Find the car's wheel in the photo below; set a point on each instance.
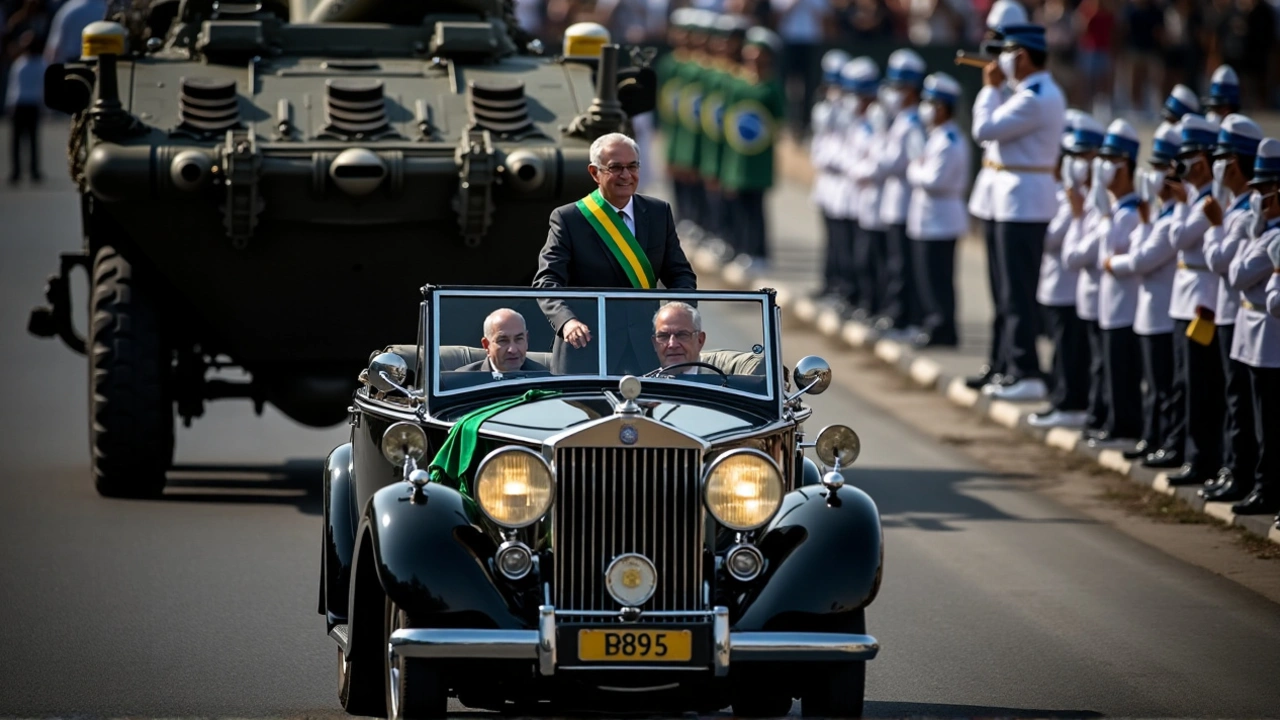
(360, 689)
(416, 688)
(837, 691)
(130, 406)
(760, 691)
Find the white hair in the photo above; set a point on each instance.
(604, 141)
(497, 316)
(694, 316)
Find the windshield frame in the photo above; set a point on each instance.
(429, 381)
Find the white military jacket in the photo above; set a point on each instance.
(980, 200)
(1221, 244)
(864, 140)
(1118, 295)
(1256, 341)
(1080, 254)
(1273, 295)
(1193, 285)
(904, 141)
(1057, 284)
(938, 178)
(830, 120)
(1153, 261)
(1025, 129)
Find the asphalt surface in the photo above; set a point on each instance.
(996, 600)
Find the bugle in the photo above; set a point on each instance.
(972, 59)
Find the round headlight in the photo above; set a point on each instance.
(743, 489)
(403, 439)
(514, 486)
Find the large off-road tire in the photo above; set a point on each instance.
(130, 405)
(416, 688)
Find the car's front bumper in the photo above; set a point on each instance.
(540, 645)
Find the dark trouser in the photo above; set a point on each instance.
(1019, 246)
(1124, 395)
(847, 271)
(1159, 413)
(1240, 432)
(800, 64)
(1099, 411)
(935, 266)
(684, 201)
(868, 262)
(1070, 368)
(714, 214)
(902, 298)
(836, 276)
(748, 223)
(994, 357)
(1200, 369)
(1266, 410)
(26, 126)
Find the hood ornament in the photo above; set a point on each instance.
(629, 387)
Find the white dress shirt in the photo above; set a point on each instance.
(628, 213)
(905, 133)
(863, 139)
(1118, 295)
(938, 179)
(1256, 341)
(981, 201)
(830, 123)
(1080, 253)
(1057, 284)
(1025, 130)
(1221, 244)
(1154, 262)
(1273, 295)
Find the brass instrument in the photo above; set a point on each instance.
(972, 59)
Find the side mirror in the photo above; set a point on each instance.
(812, 375)
(387, 372)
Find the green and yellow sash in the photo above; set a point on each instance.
(609, 226)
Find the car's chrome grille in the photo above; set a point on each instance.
(612, 501)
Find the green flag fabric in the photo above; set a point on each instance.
(459, 448)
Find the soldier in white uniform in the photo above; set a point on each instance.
(1056, 290)
(900, 97)
(1025, 129)
(936, 216)
(1197, 365)
(1224, 94)
(866, 138)
(1152, 260)
(1181, 101)
(981, 200)
(860, 79)
(826, 122)
(1233, 161)
(1273, 285)
(1257, 338)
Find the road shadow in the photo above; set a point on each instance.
(938, 710)
(298, 482)
(927, 499)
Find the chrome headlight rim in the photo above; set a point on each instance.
(493, 455)
(395, 454)
(706, 485)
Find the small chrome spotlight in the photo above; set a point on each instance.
(514, 559)
(744, 562)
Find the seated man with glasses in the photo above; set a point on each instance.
(678, 337)
(612, 238)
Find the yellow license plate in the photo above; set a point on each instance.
(636, 645)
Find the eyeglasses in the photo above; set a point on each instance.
(616, 169)
(682, 336)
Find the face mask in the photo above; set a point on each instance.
(1155, 183)
(1141, 185)
(1080, 171)
(1008, 63)
(1213, 117)
(891, 99)
(1106, 173)
(928, 114)
(1183, 166)
(1220, 191)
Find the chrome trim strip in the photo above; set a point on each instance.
(801, 646)
(665, 668)
(721, 639)
(546, 640)
(341, 634)
(447, 644)
(643, 615)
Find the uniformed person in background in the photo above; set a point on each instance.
(669, 69)
(1056, 289)
(1181, 101)
(830, 187)
(900, 97)
(981, 199)
(1256, 342)
(685, 161)
(1152, 260)
(1233, 161)
(725, 62)
(860, 79)
(1197, 363)
(936, 217)
(1224, 94)
(755, 108)
(865, 139)
(1025, 129)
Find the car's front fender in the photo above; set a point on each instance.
(339, 529)
(432, 558)
(823, 558)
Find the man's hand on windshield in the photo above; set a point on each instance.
(576, 333)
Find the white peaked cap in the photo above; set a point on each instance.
(1169, 132)
(834, 60)
(906, 59)
(860, 69)
(1122, 128)
(1226, 75)
(1241, 125)
(941, 86)
(1082, 120)
(1006, 12)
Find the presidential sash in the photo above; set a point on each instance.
(615, 235)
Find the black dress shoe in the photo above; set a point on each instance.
(1212, 485)
(1139, 450)
(1262, 501)
(1230, 490)
(1163, 458)
(985, 375)
(1096, 434)
(1188, 475)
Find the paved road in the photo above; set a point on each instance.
(996, 600)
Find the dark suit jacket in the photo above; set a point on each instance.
(575, 256)
(485, 365)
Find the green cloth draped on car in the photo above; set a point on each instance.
(454, 458)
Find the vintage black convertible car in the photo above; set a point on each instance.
(574, 534)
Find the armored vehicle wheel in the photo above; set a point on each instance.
(416, 688)
(130, 408)
(837, 692)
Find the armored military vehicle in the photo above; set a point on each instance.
(264, 185)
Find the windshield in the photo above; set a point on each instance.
(530, 338)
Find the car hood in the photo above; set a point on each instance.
(541, 419)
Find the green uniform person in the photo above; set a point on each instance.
(670, 71)
(685, 159)
(725, 50)
(755, 110)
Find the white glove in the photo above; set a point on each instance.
(1099, 198)
(915, 144)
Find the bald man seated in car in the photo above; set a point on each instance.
(506, 345)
